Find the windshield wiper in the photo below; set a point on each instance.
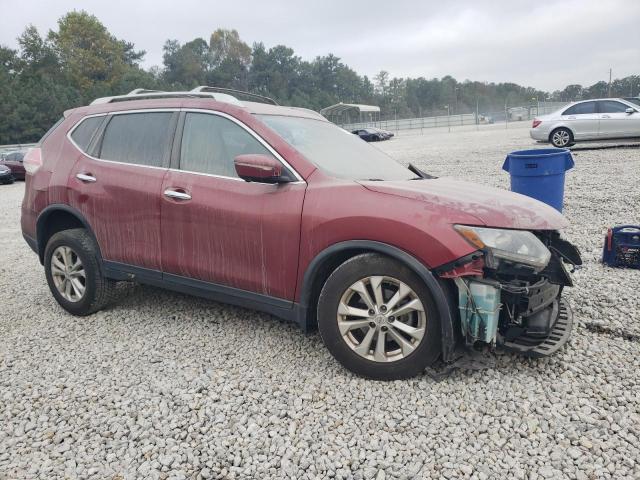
(420, 173)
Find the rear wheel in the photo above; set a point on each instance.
(561, 137)
(72, 268)
(378, 318)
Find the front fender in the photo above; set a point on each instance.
(437, 288)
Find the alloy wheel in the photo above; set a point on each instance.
(381, 318)
(68, 274)
(561, 138)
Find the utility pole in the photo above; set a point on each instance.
(455, 92)
(506, 112)
(609, 83)
(477, 116)
(448, 118)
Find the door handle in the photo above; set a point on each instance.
(605, 116)
(86, 177)
(177, 194)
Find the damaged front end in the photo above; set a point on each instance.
(510, 290)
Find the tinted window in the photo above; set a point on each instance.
(210, 143)
(609, 106)
(84, 133)
(50, 131)
(15, 157)
(581, 109)
(139, 138)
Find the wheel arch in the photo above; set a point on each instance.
(56, 218)
(331, 257)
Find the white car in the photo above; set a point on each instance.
(599, 119)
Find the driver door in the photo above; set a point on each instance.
(615, 122)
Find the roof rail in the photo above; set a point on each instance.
(142, 90)
(231, 91)
(142, 94)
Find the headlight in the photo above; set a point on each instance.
(518, 246)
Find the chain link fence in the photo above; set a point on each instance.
(507, 115)
(15, 147)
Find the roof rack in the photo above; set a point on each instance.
(231, 91)
(142, 94)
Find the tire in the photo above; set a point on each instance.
(561, 137)
(393, 362)
(79, 245)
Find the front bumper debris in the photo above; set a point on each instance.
(535, 346)
(512, 306)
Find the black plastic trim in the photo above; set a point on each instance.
(446, 267)
(42, 217)
(432, 283)
(33, 244)
(221, 293)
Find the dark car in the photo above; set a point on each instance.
(371, 134)
(14, 161)
(277, 209)
(5, 175)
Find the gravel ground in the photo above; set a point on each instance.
(163, 385)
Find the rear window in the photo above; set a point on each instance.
(581, 109)
(86, 131)
(50, 131)
(137, 138)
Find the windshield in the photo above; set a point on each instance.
(335, 151)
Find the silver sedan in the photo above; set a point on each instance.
(599, 119)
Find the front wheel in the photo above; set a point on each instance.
(378, 319)
(561, 137)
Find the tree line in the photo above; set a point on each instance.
(81, 60)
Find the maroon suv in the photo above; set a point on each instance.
(276, 209)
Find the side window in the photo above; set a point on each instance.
(609, 106)
(138, 138)
(84, 133)
(211, 142)
(581, 109)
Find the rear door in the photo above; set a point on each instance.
(216, 227)
(116, 184)
(615, 122)
(583, 119)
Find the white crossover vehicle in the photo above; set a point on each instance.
(588, 120)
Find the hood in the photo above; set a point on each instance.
(493, 207)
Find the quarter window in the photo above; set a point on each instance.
(609, 106)
(581, 109)
(138, 138)
(211, 142)
(84, 133)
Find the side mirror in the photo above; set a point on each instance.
(259, 168)
(629, 110)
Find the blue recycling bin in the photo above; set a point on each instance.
(539, 173)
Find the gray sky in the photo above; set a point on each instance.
(546, 44)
